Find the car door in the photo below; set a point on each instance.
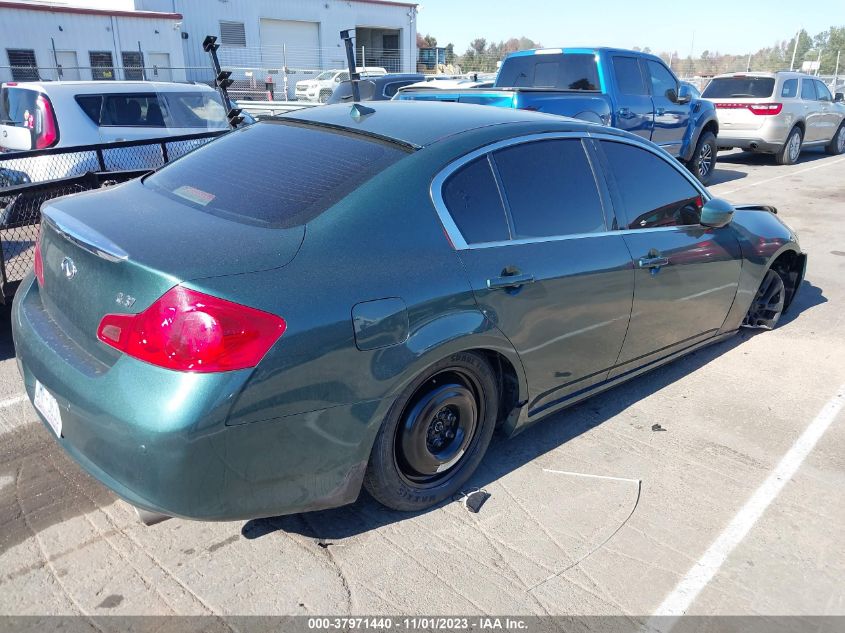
(530, 228)
(829, 116)
(686, 275)
(813, 115)
(634, 108)
(671, 118)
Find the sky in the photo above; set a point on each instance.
(726, 26)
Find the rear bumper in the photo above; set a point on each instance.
(160, 440)
(769, 137)
(753, 143)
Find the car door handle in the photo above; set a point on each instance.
(653, 262)
(624, 112)
(660, 111)
(509, 281)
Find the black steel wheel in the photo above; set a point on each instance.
(768, 304)
(436, 434)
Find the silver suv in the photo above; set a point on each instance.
(777, 113)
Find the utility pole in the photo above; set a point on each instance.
(819, 62)
(836, 73)
(748, 65)
(795, 50)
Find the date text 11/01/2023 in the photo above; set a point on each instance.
(417, 624)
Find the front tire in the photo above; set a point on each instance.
(768, 304)
(791, 150)
(703, 161)
(435, 434)
(837, 143)
(325, 95)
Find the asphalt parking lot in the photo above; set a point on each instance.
(592, 512)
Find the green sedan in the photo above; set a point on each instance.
(346, 297)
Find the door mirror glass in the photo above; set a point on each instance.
(839, 97)
(716, 213)
(684, 94)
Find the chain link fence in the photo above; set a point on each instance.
(28, 179)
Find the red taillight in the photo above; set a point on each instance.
(46, 132)
(755, 108)
(186, 330)
(38, 262)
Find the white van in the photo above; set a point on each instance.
(321, 87)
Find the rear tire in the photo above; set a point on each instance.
(791, 150)
(703, 161)
(837, 143)
(435, 434)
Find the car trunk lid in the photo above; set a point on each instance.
(100, 257)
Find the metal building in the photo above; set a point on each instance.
(51, 42)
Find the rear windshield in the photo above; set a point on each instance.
(571, 71)
(740, 87)
(16, 105)
(273, 174)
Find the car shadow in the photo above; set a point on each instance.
(808, 297)
(754, 158)
(721, 176)
(7, 347)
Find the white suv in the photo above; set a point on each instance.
(777, 113)
(321, 87)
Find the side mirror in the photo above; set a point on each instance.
(839, 98)
(716, 213)
(684, 95)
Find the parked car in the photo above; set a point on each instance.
(777, 113)
(321, 87)
(477, 268)
(375, 88)
(629, 90)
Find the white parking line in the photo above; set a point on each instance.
(9, 402)
(680, 599)
(786, 174)
(6, 425)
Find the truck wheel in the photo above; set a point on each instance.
(703, 161)
(324, 95)
(791, 150)
(837, 143)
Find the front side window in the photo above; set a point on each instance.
(628, 76)
(244, 177)
(472, 198)
(822, 91)
(653, 193)
(808, 90)
(194, 110)
(663, 83)
(550, 189)
(790, 89)
(22, 62)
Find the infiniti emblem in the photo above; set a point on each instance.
(68, 268)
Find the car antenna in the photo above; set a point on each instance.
(358, 111)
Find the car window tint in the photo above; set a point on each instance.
(790, 88)
(202, 110)
(90, 105)
(808, 90)
(663, 84)
(473, 200)
(566, 71)
(740, 86)
(274, 174)
(628, 76)
(822, 92)
(550, 189)
(652, 191)
(127, 110)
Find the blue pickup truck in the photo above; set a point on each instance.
(629, 90)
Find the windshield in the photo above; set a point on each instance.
(740, 87)
(326, 75)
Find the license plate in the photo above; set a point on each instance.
(49, 408)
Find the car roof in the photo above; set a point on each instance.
(421, 123)
(84, 87)
(772, 75)
(569, 50)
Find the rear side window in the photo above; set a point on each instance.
(740, 87)
(91, 105)
(276, 175)
(808, 90)
(653, 193)
(550, 189)
(571, 71)
(132, 111)
(473, 200)
(628, 76)
(790, 89)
